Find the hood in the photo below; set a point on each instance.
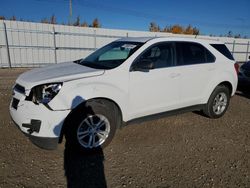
(56, 73)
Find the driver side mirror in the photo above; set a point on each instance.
(143, 65)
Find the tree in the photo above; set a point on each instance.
(96, 23)
(189, 30)
(167, 29)
(77, 22)
(53, 19)
(196, 31)
(2, 18)
(154, 27)
(177, 29)
(84, 24)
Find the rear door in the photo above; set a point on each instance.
(197, 67)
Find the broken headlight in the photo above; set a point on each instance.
(45, 93)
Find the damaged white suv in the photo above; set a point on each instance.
(128, 79)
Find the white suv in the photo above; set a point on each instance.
(131, 78)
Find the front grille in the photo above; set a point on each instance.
(247, 73)
(15, 103)
(19, 88)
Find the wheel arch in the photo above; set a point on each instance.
(209, 107)
(82, 105)
(228, 85)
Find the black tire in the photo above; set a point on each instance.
(92, 111)
(211, 110)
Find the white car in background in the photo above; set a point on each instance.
(128, 79)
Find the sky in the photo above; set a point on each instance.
(214, 17)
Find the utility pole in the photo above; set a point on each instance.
(70, 11)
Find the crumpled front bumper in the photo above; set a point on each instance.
(41, 124)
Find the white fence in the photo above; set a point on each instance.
(27, 44)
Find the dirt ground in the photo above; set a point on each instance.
(187, 150)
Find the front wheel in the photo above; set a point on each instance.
(218, 102)
(92, 126)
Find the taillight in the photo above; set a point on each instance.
(236, 66)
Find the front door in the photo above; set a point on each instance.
(155, 90)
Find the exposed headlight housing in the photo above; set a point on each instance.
(45, 93)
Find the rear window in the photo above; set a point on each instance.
(223, 50)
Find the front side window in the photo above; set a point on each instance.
(111, 55)
(189, 53)
(160, 54)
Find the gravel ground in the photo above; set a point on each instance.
(187, 150)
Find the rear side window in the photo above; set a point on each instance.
(223, 50)
(189, 53)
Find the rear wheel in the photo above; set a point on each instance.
(218, 102)
(92, 126)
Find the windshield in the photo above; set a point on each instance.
(111, 55)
